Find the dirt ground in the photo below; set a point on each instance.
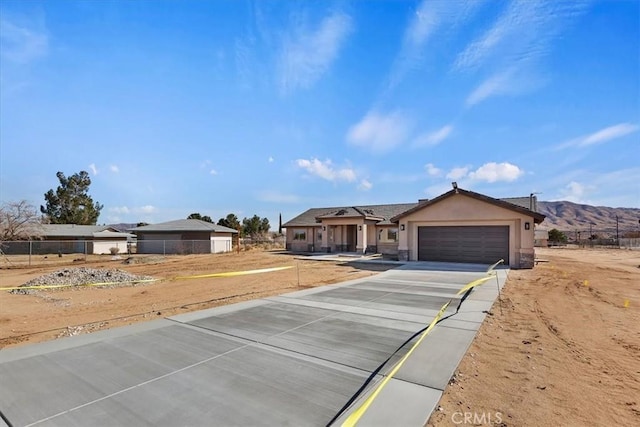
(561, 348)
(51, 314)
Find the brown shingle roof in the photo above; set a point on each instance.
(381, 213)
(537, 217)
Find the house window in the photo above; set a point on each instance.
(299, 235)
(319, 236)
(388, 235)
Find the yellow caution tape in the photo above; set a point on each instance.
(358, 413)
(84, 284)
(227, 274)
(355, 416)
(474, 284)
(494, 266)
(235, 273)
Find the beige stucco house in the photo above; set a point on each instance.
(458, 226)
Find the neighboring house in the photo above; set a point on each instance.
(541, 238)
(190, 236)
(71, 238)
(458, 226)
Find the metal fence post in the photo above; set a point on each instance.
(30, 250)
(164, 247)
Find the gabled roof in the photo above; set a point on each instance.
(182, 225)
(381, 213)
(537, 217)
(73, 230)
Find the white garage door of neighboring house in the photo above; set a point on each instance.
(473, 244)
(104, 246)
(220, 244)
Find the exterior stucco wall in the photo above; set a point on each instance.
(460, 210)
(309, 244)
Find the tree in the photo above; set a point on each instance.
(19, 221)
(231, 221)
(557, 236)
(200, 217)
(255, 226)
(71, 203)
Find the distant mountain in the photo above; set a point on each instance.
(124, 226)
(569, 216)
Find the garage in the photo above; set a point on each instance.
(472, 244)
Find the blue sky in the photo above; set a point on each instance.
(271, 107)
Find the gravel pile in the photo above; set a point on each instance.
(82, 276)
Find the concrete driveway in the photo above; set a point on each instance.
(294, 359)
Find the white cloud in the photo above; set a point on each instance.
(511, 48)
(457, 173)
(21, 44)
(603, 135)
(429, 18)
(114, 168)
(119, 210)
(433, 138)
(432, 170)
(277, 197)
(525, 31)
(271, 159)
(93, 168)
(494, 172)
(498, 84)
(574, 192)
(365, 185)
(307, 54)
(380, 132)
(213, 172)
(326, 170)
(148, 209)
(607, 134)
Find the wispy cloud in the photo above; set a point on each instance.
(380, 132)
(433, 138)
(114, 168)
(493, 172)
(270, 159)
(306, 54)
(428, 18)
(601, 136)
(94, 169)
(512, 47)
(326, 170)
(213, 172)
(575, 192)
(271, 196)
(22, 43)
(432, 170)
(524, 31)
(365, 185)
(458, 172)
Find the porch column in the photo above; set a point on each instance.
(324, 247)
(361, 246)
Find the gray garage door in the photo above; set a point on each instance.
(475, 244)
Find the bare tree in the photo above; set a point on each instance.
(19, 221)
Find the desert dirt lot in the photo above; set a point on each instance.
(561, 348)
(50, 314)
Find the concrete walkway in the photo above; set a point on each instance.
(294, 359)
